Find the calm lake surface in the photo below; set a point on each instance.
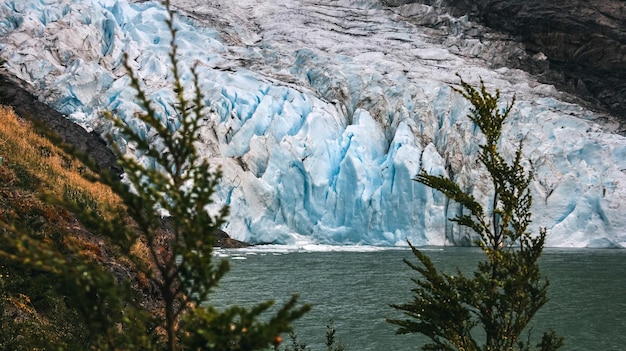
(354, 288)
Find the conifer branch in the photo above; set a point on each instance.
(507, 289)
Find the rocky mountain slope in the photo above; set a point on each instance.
(583, 42)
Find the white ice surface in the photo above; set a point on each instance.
(323, 111)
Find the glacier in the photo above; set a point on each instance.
(321, 112)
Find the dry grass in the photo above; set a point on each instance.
(33, 162)
(39, 164)
(32, 166)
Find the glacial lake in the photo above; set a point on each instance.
(354, 287)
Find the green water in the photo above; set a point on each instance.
(587, 293)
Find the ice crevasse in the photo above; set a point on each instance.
(321, 113)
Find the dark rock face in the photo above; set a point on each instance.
(584, 41)
(14, 94)
(223, 240)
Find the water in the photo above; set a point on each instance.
(587, 293)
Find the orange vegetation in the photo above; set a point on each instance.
(49, 168)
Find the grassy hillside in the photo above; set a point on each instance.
(32, 162)
(33, 174)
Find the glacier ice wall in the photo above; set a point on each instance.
(322, 112)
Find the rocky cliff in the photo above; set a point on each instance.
(584, 42)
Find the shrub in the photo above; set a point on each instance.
(489, 310)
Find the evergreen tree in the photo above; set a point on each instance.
(175, 256)
(489, 310)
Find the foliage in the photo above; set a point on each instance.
(489, 310)
(54, 289)
(174, 256)
(41, 314)
(33, 300)
(331, 343)
(295, 344)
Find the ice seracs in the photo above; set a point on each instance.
(321, 113)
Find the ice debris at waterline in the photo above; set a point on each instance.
(322, 112)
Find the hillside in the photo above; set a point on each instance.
(34, 169)
(35, 174)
